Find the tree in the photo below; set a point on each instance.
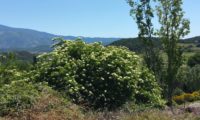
(173, 27)
(142, 12)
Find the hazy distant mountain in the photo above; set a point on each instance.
(32, 40)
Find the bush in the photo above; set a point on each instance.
(194, 60)
(194, 78)
(96, 76)
(17, 96)
(8, 75)
(179, 99)
(149, 91)
(187, 97)
(11, 68)
(188, 78)
(196, 95)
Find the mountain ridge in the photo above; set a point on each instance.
(17, 39)
(23, 38)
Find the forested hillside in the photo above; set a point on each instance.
(134, 44)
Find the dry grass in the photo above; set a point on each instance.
(160, 115)
(53, 107)
(73, 113)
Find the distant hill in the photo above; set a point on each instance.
(134, 44)
(195, 40)
(20, 39)
(35, 41)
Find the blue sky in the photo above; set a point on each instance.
(92, 18)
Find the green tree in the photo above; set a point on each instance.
(142, 12)
(173, 27)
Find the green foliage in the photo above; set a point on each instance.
(20, 60)
(194, 78)
(149, 91)
(178, 91)
(11, 68)
(182, 78)
(96, 76)
(15, 93)
(142, 12)
(188, 78)
(194, 60)
(17, 96)
(8, 75)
